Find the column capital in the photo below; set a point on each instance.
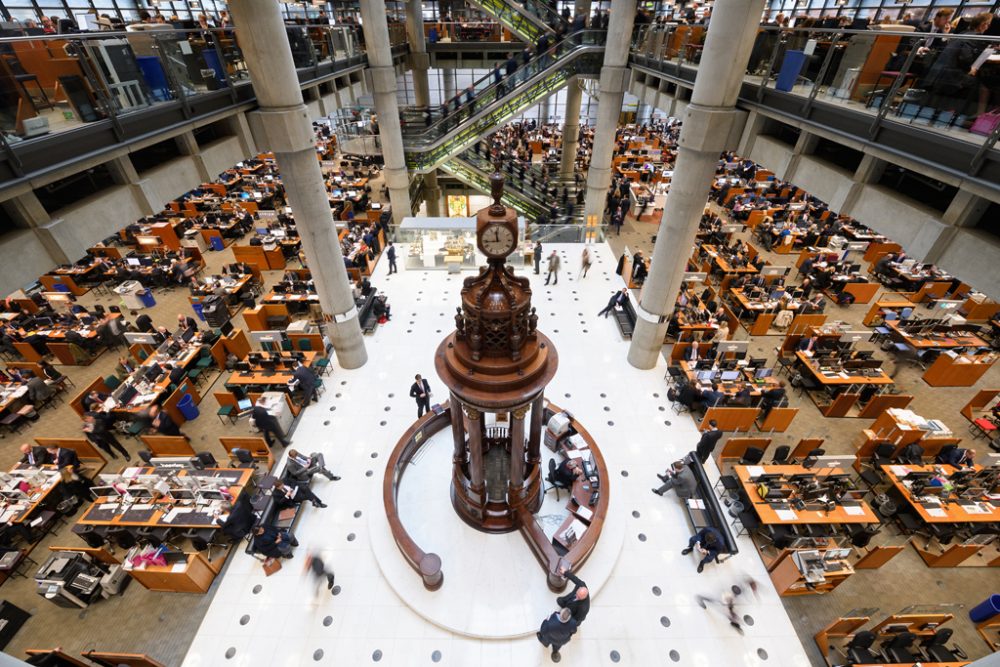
(706, 129)
(283, 130)
(521, 412)
(614, 79)
(383, 79)
(471, 412)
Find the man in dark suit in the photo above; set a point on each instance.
(64, 458)
(144, 323)
(307, 383)
(34, 456)
(681, 479)
(274, 542)
(618, 299)
(93, 401)
(556, 631)
(421, 391)
(772, 398)
(269, 426)
(708, 541)
(177, 373)
(708, 440)
(566, 473)
(38, 391)
(577, 600)
(97, 428)
(163, 422)
(291, 495)
(186, 322)
(390, 253)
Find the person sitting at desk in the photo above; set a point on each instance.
(286, 496)
(186, 322)
(959, 457)
(64, 458)
(708, 541)
(742, 397)
(274, 542)
(177, 373)
(38, 391)
(34, 456)
(94, 401)
(161, 422)
(713, 397)
(772, 398)
(567, 472)
(124, 367)
(807, 344)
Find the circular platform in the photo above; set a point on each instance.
(493, 587)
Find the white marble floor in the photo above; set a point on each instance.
(645, 613)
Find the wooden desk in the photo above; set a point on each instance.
(724, 265)
(960, 371)
(769, 515)
(935, 341)
(950, 512)
(839, 379)
(260, 376)
(37, 496)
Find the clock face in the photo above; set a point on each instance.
(497, 240)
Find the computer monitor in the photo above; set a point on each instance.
(211, 494)
(133, 261)
(779, 494)
(99, 492)
(188, 334)
(761, 373)
(837, 554)
(182, 494)
(757, 363)
(730, 376)
(226, 328)
(139, 491)
(706, 376)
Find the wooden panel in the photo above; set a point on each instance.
(801, 322)
(67, 659)
(734, 448)
(123, 659)
(805, 446)
(882, 402)
(65, 356)
(97, 384)
(730, 419)
(841, 405)
(27, 351)
(315, 341)
(170, 405)
(875, 250)
(778, 419)
(168, 445)
(877, 557)
(863, 292)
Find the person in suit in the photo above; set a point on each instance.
(617, 299)
(323, 576)
(273, 542)
(709, 438)
(186, 322)
(34, 456)
(96, 427)
(807, 344)
(708, 541)
(680, 478)
(93, 401)
(390, 252)
(301, 468)
(692, 352)
(38, 391)
(269, 426)
(177, 373)
(64, 458)
(556, 631)
(306, 383)
(713, 397)
(290, 495)
(772, 398)
(144, 323)
(162, 422)
(421, 391)
(124, 367)
(554, 264)
(959, 457)
(567, 472)
(537, 256)
(578, 599)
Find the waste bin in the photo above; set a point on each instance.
(130, 291)
(217, 243)
(790, 68)
(986, 609)
(146, 296)
(187, 407)
(198, 310)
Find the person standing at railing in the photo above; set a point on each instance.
(949, 81)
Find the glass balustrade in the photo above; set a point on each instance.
(529, 19)
(57, 83)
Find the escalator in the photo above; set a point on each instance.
(474, 178)
(495, 103)
(528, 19)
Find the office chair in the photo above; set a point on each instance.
(944, 453)
(859, 651)
(244, 458)
(810, 460)
(90, 535)
(123, 538)
(155, 535)
(935, 650)
(752, 456)
(897, 649)
(146, 456)
(207, 459)
(781, 455)
(883, 454)
(202, 539)
(912, 454)
(551, 479)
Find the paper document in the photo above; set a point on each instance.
(755, 471)
(696, 503)
(936, 511)
(854, 510)
(786, 515)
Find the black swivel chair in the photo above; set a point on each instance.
(123, 538)
(203, 539)
(935, 650)
(146, 456)
(897, 649)
(752, 456)
(859, 651)
(207, 460)
(244, 459)
(781, 455)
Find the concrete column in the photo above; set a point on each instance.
(123, 172)
(432, 194)
(457, 430)
(28, 212)
(965, 210)
(448, 81)
(188, 145)
(535, 430)
(419, 60)
(614, 80)
(571, 130)
(868, 172)
(384, 91)
(706, 129)
(288, 132)
(544, 111)
(752, 129)
(805, 145)
(517, 451)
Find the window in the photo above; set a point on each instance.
(920, 188)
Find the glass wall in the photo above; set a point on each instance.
(85, 12)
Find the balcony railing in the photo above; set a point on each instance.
(894, 78)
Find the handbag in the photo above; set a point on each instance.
(271, 565)
(986, 123)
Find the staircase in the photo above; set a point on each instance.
(495, 103)
(528, 19)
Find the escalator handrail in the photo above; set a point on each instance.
(485, 87)
(481, 182)
(483, 165)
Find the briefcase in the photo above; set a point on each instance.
(271, 565)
